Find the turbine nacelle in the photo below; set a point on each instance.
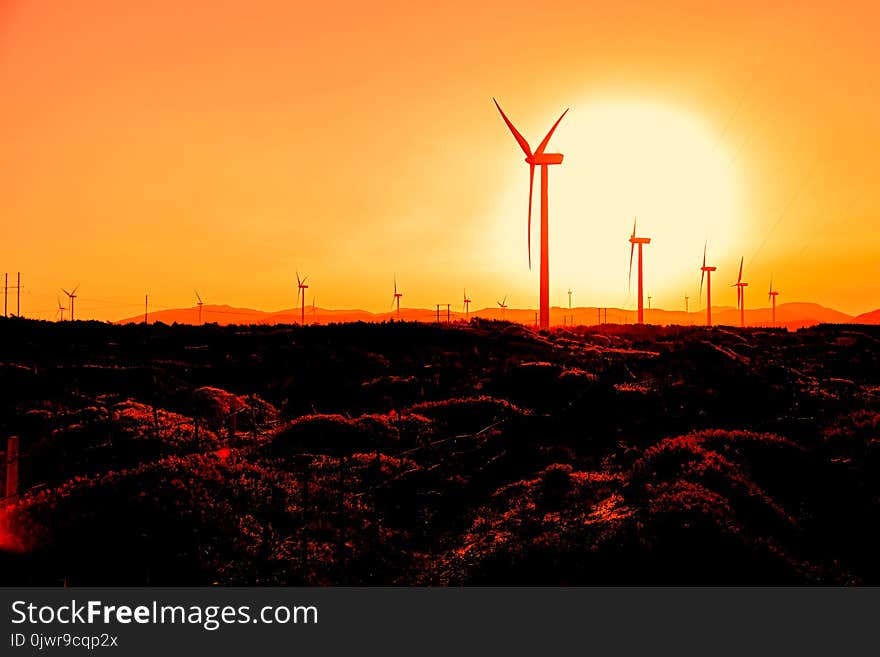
(543, 159)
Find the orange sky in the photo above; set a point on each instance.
(167, 145)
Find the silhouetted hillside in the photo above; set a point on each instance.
(410, 453)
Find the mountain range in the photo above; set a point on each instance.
(788, 315)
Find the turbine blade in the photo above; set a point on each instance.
(65, 291)
(704, 252)
(523, 144)
(740, 276)
(543, 144)
(702, 276)
(197, 295)
(632, 249)
(75, 289)
(529, 228)
(635, 219)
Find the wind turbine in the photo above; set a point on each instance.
(396, 298)
(569, 298)
(301, 288)
(467, 306)
(199, 304)
(542, 159)
(707, 274)
(633, 240)
(71, 296)
(649, 301)
(61, 310)
(741, 294)
(503, 305)
(686, 297)
(771, 297)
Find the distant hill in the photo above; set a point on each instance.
(788, 315)
(872, 317)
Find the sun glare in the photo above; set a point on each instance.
(625, 160)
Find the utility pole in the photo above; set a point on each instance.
(447, 314)
(146, 307)
(438, 313)
(5, 292)
(18, 296)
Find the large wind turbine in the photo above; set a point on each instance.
(707, 274)
(467, 306)
(771, 297)
(542, 159)
(301, 288)
(71, 296)
(741, 294)
(641, 241)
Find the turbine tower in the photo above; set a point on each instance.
(707, 274)
(633, 240)
(569, 298)
(301, 288)
(771, 297)
(686, 297)
(542, 159)
(71, 296)
(61, 310)
(199, 304)
(503, 305)
(741, 294)
(467, 306)
(396, 298)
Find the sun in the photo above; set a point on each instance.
(627, 159)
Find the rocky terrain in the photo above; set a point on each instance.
(407, 453)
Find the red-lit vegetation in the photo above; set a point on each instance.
(401, 453)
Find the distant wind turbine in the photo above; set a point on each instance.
(301, 288)
(467, 306)
(72, 297)
(633, 240)
(396, 298)
(503, 305)
(686, 297)
(741, 294)
(569, 298)
(707, 274)
(649, 301)
(61, 310)
(199, 304)
(542, 159)
(771, 297)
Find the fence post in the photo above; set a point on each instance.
(12, 445)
